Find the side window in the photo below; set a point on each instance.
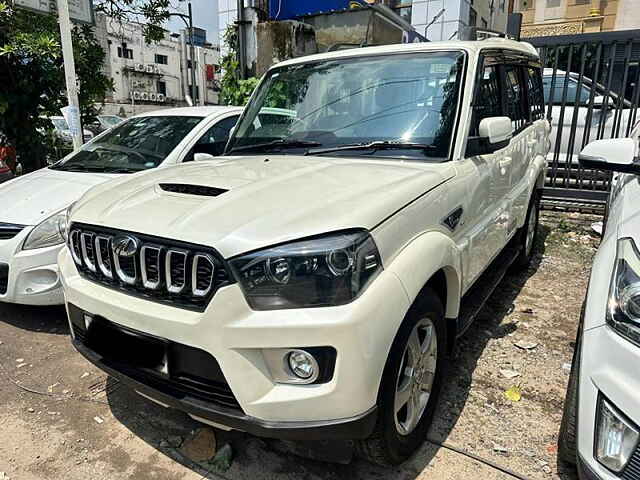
(535, 93)
(515, 97)
(573, 95)
(215, 139)
(488, 102)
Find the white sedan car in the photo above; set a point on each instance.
(33, 206)
(601, 423)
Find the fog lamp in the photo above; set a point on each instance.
(303, 365)
(616, 437)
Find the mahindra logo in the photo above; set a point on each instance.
(125, 246)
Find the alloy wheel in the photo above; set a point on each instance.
(416, 376)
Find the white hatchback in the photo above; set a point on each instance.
(600, 428)
(33, 206)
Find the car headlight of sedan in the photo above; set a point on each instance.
(321, 271)
(623, 312)
(49, 232)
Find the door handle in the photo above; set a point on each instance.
(504, 164)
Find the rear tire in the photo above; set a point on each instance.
(398, 434)
(528, 234)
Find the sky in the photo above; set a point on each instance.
(205, 15)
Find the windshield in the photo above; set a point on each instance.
(408, 98)
(109, 120)
(134, 145)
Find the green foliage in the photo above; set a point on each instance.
(233, 90)
(32, 82)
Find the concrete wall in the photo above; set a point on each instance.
(278, 41)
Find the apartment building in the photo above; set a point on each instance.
(566, 17)
(155, 75)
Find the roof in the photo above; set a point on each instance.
(191, 111)
(474, 47)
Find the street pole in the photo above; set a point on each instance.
(193, 60)
(70, 73)
(241, 44)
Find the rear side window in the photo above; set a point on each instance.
(535, 93)
(515, 97)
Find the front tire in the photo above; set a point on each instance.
(567, 437)
(410, 384)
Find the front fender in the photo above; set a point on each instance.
(421, 259)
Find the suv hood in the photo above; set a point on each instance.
(258, 201)
(29, 199)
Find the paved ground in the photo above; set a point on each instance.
(62, 418)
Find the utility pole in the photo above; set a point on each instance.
(242, 59)
(193, 60)
(70, 73)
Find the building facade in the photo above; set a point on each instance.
(567, 17)
(152, 76)
(441, 19)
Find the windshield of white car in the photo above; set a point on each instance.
(570, 94)
(399, 99)
(137, 144)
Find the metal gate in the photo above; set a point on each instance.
(592, 89)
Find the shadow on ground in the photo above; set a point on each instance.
(48, 319)
(264, 459)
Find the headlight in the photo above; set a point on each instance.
(47, 233)
(616, 437)
(623, 312)
(321, 271)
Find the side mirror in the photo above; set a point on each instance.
(497, 130)
(199, 157)
(615, 155)
(494, 134)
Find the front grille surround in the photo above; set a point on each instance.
(166, 271)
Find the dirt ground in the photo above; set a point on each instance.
(61, 418)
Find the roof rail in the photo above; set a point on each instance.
(477, 33)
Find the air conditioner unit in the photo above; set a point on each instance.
(136, 95)
(161, 98)
(140, 67)
(144, 96)
(153, 97)
(149, 68)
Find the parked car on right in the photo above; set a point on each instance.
(600, 428)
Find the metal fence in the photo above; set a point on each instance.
(592, 89)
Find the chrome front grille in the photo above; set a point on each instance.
(166, 271)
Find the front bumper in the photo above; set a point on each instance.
(236, 337)
(608, 368)
(29, 277)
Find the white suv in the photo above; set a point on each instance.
(601, 424)
(311, 283)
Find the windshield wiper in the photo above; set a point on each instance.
(377, 145)
(280, 143)
(76, 168)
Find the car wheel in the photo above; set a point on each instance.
(528, 234)
(410, 384)
(567, 442)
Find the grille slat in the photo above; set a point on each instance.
(632, 470)
(162, 270)
(9, 230)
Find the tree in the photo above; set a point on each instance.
(233, 90)
(32, 81)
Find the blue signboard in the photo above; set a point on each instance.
(288, 9)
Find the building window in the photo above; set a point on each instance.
(124, 52)
(161, 87)
(473, 17)
(402, 8)
(553, 3)
(162, 59)
(583, 2)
